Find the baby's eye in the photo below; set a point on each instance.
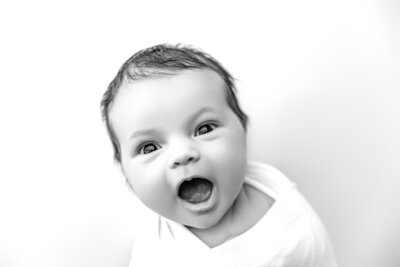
(205, 128)
(148, 148)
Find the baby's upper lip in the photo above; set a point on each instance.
(188, 178)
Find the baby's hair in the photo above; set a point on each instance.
(160, 61)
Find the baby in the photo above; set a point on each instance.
(179, 135)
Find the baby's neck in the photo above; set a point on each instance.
(238, 219)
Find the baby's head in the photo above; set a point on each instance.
(165, 61)
(178, 132)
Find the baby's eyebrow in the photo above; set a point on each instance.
(151, 132)
(199, 112)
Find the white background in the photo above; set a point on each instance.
(319, 79)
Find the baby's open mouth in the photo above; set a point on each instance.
(195, 190)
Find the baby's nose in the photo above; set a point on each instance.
(183, 154)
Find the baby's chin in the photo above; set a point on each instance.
(209, 219)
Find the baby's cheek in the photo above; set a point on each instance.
(230, 151)
(152, 189)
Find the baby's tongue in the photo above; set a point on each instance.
(196, 190)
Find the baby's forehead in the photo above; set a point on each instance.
(194, 86)
(164, 102)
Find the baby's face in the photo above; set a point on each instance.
(183, 150)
